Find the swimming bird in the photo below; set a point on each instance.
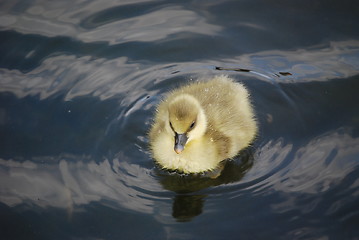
(199, 125)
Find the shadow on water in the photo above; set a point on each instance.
(187, 202)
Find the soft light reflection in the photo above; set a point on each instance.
(268, 159)
(69, 184)
(151, 27)
(320, 164)
(79, 76)
(319, 170)
(338, 60)
(64, 183)
(57, 19)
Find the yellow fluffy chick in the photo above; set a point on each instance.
(199, 125)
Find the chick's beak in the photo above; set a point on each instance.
(180, 142)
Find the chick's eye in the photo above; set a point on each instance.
(192, 125)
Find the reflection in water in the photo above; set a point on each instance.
(338, 60)
(69, 182)
(293, 161)
(324, 161)
(106, 78)
(185, 207)
(308, 176)
(233, 172)
(187, 204)
(79, 82)
(95, 21)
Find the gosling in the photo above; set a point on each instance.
(198, 126)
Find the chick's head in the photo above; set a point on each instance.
(186, 117)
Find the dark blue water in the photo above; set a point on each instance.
(79, 83)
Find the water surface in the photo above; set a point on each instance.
(79, 83)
